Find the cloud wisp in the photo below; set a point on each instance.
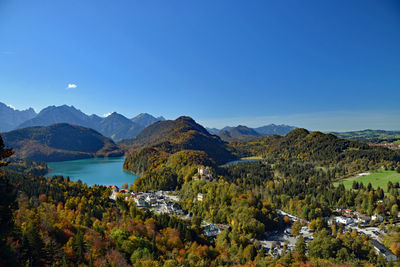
(72, 86)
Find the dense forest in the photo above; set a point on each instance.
(324, 150)
(57, 222)
(160, 170)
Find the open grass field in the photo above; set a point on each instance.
(379, 178)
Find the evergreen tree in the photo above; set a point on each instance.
(7, 205)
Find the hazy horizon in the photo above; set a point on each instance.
(353, 121)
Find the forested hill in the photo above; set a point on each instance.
(300, 144)
(181, 134)
(167, 154)
(59, 142)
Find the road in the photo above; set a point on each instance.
(372, 232)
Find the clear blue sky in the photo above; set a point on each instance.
(328, 65)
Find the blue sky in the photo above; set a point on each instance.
(327, 65)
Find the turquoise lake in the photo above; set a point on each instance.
(101, 171)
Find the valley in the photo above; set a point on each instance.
(199, 133)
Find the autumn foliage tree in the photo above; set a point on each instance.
(7, 204)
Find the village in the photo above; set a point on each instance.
(279, 242)
(167, 202)
(275, 243)
(157, 201)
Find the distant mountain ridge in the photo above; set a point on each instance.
(118, 127)
(10, 118)
(61, 114)
(241, 133)
(146, 119)
(272, 129)
(59, 142)
(214, 131)
(115, 126)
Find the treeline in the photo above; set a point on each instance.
(27, 166)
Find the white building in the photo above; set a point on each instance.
(343, 220)
(377, 217)
(140, 202)
(211, 230)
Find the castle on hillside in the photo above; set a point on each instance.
(203, 173)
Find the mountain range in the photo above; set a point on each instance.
(243, 133)
(11, 118)
(115, 126)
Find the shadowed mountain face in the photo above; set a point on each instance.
(10, 118)
(118, 127)
(238, 133)
(115, 126)
(59, 142)
(145, 119)
(181, 134)
(62, 114)
(212, 130)
(272, 129)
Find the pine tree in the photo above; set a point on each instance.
(7, 205)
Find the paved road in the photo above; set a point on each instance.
(374, 237)
(367, 231)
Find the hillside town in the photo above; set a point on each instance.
(165, 202)
(157, 201)
(275, 243)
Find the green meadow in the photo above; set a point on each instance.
(379, 178)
